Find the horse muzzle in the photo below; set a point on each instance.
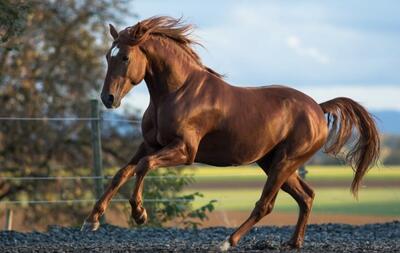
(110, 101)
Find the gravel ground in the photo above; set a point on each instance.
(320, 238)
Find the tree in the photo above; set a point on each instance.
(12, 18)
(50, 65)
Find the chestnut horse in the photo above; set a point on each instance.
(195, 116)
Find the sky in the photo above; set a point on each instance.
(323, 48)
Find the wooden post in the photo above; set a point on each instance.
(96, 146)
(302, 172)
(9, 218)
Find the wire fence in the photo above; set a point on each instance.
(66, 119)
(73, 201)
(97, 178)
(46, 178)
(105, 177)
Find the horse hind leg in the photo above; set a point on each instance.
(280, 165)
(304, 196)
(279, 172)
(300, 191)
(225, 245)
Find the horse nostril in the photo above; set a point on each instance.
(110, 99)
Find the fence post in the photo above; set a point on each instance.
(96, 146)
(302, 172)
(9, 218)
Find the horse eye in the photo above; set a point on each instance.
(125, 58)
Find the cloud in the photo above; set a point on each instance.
(316, 43)
(379, 97)
(295, 43)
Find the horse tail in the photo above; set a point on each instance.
(344, 117)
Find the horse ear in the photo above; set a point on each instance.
(113, 32)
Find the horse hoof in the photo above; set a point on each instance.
(90, 226)
(142, 218)
(291, 244)
(224, 246)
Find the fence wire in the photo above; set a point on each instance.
(70, 201)
(74, 201)
(66, 119)
(77, 201)
(107, 177)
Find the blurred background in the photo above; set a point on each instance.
(52, 65)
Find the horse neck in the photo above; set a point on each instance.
(169, 68)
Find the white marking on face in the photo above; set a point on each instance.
(114, 51)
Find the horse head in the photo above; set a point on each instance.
(126, 68)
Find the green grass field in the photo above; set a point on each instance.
(381, 201)
(315, 173)
(376, 201)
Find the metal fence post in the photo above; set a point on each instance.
(96, 146)
(9, 219)
(302, 172)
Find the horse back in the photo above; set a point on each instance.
(255, 120)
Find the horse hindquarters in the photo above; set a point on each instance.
(280, 165)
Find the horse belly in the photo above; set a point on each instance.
(223, 149)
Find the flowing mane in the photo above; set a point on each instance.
(166, 27)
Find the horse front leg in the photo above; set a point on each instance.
(176, 153)
(92, 223)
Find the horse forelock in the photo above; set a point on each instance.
(174, 30)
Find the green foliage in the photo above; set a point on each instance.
(13, 18)
(166, 185)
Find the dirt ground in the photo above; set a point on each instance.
(338, 238)
(235, 218)
(222, 218)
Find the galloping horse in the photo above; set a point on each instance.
(195, 116)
